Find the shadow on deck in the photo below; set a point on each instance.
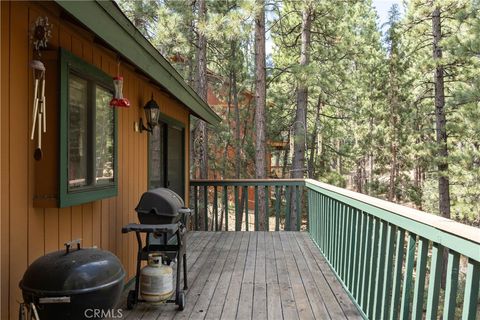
(255, 275)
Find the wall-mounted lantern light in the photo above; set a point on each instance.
(152, 113)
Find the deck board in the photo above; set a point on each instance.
(231, 301)
(301, 300)
(255, 275)
(260, 282)
(218, 300)
(245, 302)
(271, 274)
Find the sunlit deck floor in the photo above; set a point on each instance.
(255, 275)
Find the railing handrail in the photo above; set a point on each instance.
(443, 224)
(196, 181)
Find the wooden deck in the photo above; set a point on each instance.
(255, 275)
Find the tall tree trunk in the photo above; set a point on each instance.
(441, 120)
(238, 160)
(441, 130)
(260, 102)
(419, 167)
(300, 125)
(313, 141)
(418, 183)
(393, 149)
(238, 140)
(286, 152)
(370, 163)
(201, 86)
(338, 160)
(359, 176)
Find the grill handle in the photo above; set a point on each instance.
(185, 211)
(70, 243)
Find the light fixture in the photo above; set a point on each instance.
(152, 112)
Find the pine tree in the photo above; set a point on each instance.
(260, 105)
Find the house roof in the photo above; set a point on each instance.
(109, 23)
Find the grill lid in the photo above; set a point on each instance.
(72, 271)
(160, 201)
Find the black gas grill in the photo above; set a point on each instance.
(163, 218)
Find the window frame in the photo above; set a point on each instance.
(84, 70)
(169, 122)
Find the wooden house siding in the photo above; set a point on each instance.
(28, 232)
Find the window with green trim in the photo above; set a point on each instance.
(88, 139)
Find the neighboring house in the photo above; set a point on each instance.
(94, 164)
(217, 98)
(276, 147)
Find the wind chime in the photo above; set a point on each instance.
(40, 33)
(39, 114)
(118, 100)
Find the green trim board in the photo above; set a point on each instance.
(68, 62)
(108, 22)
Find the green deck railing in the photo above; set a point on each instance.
(390, 257)
(216, 199)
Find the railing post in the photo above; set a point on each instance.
(451, 286)
(267, 207)
(215, 207)
(298, 207)
(373, 267)
(237, 226)
(378, 281)
(323, 226)
(397, 274)
(350, 239)
(245, 189)
(205, 206)
(361, 271)
(340, 244)
(277, 208)
(471, 290)
(407, 283)
(225, 204)
(287, 208)
(256, 209)
(195, 200)
(436, 269)
(383, 304)
(417, 306)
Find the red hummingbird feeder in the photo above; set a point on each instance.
(118, 100)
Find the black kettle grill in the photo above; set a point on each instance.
(163, 218)
(70, 283)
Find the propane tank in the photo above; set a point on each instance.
(156, 280)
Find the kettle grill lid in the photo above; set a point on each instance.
(78, 271)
